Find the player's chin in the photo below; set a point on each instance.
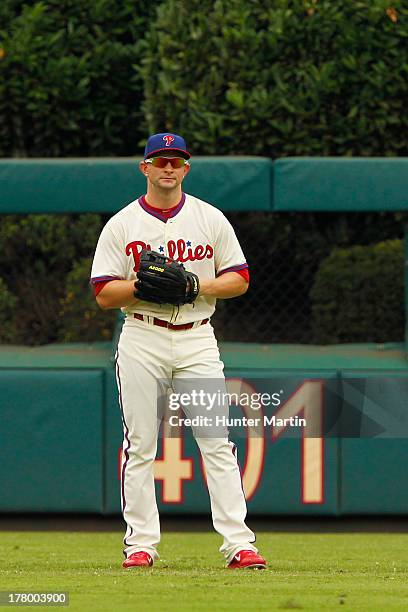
(168, 182)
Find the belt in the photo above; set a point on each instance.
(161, 323)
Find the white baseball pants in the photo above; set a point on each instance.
(147, 353)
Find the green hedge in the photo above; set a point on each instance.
(44, 267)
(81, 318)
(358, 294)
(288, 77)
(8, 314)
(68, 84)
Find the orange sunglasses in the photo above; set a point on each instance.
(161, 162)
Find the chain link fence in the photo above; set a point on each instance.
(284, 252)
(276, 307)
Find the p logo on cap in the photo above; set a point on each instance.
(168, 138)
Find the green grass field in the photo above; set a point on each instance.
(307, 571)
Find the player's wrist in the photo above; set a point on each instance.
(206, 286)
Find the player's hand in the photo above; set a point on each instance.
(162, 280)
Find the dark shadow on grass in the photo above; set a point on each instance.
(202, 523)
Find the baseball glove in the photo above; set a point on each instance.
(164, 281)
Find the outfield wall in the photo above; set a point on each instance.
(231, 183)
(61, 433)
(61, 429)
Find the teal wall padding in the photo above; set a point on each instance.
(250, 356)
(230, 183)
(324, 184)
(113, 444)
(108, 184)
(406, 290)
(51, 441)
(373, 477)
(68, 185)
(62, 431)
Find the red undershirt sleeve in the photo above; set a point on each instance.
(97, 287)
(244, 274)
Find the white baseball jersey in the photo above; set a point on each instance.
(196, 234)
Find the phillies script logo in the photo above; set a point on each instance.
(168, 139)
(178, 251)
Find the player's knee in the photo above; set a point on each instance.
(213, 447)
(141, 454)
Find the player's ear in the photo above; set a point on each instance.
(143, 167)
(186, 169)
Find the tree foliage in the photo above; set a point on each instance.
(282, 78)
(358, 294)
(68, 79)
(37, 255)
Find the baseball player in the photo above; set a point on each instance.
(164, 260)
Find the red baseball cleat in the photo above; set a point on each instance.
(138, 559)
(247, 559)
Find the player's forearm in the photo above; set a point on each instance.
(117, 294)
(228, 285)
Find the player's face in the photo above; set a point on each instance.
(165, 176)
